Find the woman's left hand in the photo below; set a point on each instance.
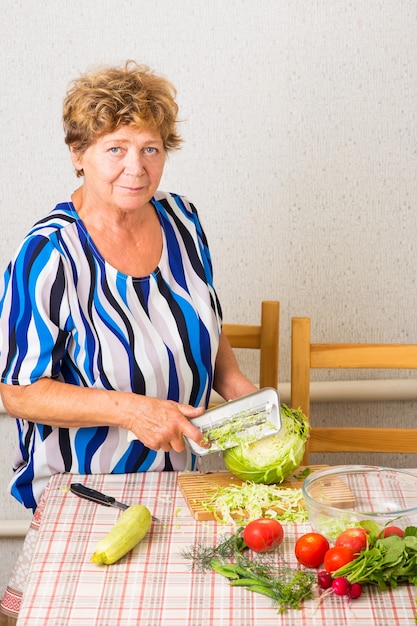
(162, 424)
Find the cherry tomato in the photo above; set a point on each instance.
(337, 557)
(310, 549)
(263, 535)
(354, 538)
(391, 530)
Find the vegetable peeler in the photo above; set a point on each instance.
(238, 422)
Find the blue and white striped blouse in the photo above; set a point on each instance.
(67, 314)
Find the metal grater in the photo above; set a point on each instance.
(249, 418)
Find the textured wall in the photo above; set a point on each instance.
(300, 154)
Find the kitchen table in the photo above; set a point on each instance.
(153, 585)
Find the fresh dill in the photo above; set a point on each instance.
(201, 554)
(287, 587)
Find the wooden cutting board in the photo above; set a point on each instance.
(198, 487)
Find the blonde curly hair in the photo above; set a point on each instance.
(99, 102)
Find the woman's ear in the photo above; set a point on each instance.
(76, 158)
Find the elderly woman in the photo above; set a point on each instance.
(110, 321)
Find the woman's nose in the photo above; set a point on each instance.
(134, 164)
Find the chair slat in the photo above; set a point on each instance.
(387, 440)
(263, 337)
(306, 356)
(371, 356)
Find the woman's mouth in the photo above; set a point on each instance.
(132, 189)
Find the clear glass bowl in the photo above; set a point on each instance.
(342, 496)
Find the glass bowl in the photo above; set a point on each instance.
(340, 497)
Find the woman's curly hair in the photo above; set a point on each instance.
(99, 102)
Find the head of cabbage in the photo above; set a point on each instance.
(272, 459)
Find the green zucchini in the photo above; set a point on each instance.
(128, 531)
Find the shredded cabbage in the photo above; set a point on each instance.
(236, 432)
(242, 504)
(331, 528)
(272, 459)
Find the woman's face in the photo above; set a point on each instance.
(122, 170)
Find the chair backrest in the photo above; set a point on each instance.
(306, 356)
(263, 337)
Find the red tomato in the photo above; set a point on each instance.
(391, 530)
(263, 535)
(310, 549)
(337, 557)
(354, 538)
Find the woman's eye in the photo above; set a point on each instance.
(114, 150)
(150, 150)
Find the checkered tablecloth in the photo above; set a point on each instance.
(153, 585)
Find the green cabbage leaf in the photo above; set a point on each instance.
(272, 459)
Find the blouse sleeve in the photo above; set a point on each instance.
(34, 313)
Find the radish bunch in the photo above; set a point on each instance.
(339, 585)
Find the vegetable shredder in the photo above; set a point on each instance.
(238, 422)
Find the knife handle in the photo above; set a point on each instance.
(91, 494)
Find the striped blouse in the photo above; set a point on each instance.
(65, 313)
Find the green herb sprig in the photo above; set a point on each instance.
(201, 554)
(287, 587)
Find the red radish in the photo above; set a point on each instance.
(355, 591)
(341, 586)
(324, 580)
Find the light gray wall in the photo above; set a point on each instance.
(300, 127)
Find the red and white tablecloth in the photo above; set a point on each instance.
(153, 585)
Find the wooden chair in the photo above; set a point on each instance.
(263, 337)
(306, 356)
